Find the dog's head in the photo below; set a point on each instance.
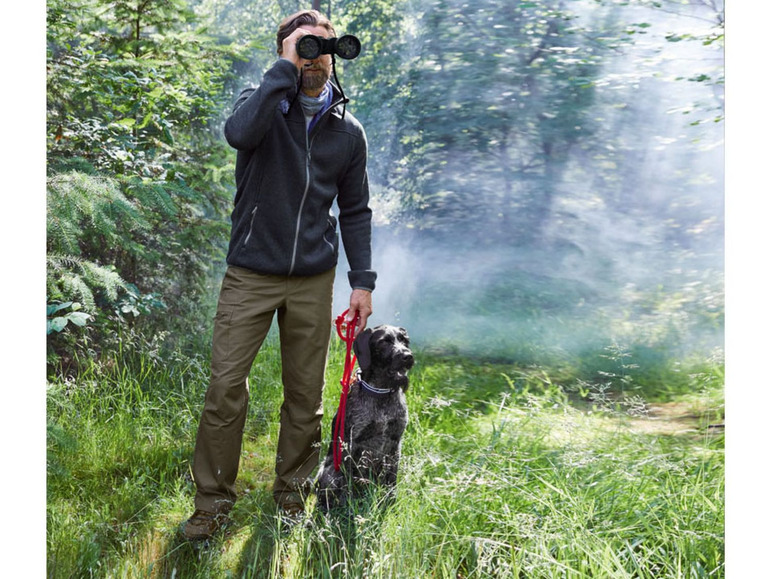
(384, 355)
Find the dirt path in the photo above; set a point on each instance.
(676, 418)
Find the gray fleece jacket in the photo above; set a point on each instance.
(288, 178)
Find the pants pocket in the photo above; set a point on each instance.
(221, 338)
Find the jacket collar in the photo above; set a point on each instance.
(337, 107)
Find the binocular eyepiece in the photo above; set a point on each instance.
(310, 46)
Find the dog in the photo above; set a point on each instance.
(376, 416)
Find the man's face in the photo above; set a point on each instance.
(315, 73)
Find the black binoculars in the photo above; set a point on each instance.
(310, 46)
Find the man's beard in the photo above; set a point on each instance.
(315, 79)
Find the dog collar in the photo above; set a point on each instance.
(373, 389)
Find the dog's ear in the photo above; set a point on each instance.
(362, 348)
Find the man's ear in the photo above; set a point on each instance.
(362, 348)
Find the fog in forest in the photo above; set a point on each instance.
(641, 266)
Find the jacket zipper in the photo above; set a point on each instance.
(251, 224)
(302, 203)
(309, 144)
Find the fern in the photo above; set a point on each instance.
(73, 277)
(104, 277)
(153, 194)
(87, 215)
(105, 232)
(88, 209)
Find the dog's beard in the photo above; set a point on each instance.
(400, 379)
(398, 373)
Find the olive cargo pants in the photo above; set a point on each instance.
(245, 310)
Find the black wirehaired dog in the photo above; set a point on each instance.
(375, 418)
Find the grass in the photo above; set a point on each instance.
(507, 472)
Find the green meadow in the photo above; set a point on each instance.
(507, 472)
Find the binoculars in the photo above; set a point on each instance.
(310, 46)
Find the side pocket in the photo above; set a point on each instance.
(331, 235)
(251, 225)
(221, 338)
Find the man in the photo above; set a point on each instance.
(298, 150)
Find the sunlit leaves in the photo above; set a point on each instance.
(133, 90)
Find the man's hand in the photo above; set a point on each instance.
(361, 303)
(288, 50)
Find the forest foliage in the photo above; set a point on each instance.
(530, 133)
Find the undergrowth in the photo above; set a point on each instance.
(507, 472)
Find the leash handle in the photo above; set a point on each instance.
(346, 329)
(346, 333)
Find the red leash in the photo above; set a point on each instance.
(347, 328)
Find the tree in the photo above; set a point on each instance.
(137, 205)
(498, 97)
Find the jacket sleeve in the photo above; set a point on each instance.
(254, 110)
(356, 217)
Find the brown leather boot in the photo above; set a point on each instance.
(203, 524)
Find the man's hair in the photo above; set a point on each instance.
(302, 18)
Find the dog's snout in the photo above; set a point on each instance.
(407, 358)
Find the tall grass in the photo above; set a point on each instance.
(501, 477)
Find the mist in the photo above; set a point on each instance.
(631, 250)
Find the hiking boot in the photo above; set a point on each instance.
(291, 504)
(292, 509)
(291, 519)
(203, 524)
